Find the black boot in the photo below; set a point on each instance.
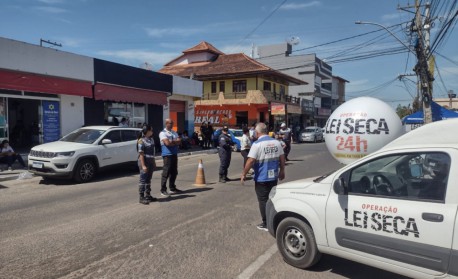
(227, 178)
(149, 198)
(143, 200)
(221, 179)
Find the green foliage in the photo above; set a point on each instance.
(403, 110)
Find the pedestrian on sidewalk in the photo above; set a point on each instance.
(8, 156)
(169, 146)
(146, 163)
(225, 153)
(267, 157)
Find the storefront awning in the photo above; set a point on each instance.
(110, 92)
(21, 81)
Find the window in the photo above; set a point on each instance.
(134, 113)
(213, 90)
(267, 86)
(222, 86)
(239, 85)
(128, 135)
(114, 136)
(412, 176)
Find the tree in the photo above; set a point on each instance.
(403, 110)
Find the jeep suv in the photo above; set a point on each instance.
(82, 153)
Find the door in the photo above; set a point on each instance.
(396, 210)
(112, 153)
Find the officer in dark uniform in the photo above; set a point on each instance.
(146, 163)
(225, 150)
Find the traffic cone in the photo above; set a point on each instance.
(200, 176)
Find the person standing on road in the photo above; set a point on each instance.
(146, 163)
(286, 135)
(225, 152)
(169, 146)
(245, 145)
(252, 135)
(267, 157)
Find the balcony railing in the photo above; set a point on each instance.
(269, 95)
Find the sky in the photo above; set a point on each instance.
(136, 32)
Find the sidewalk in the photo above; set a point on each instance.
(6, 175)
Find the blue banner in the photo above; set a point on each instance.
(51, 121)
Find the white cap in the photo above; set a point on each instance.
(283, 125)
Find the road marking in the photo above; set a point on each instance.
(256, 265)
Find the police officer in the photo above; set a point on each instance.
(225, 150)
(286, 135)
(146, 163)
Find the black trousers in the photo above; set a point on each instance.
(225, 161)
(262, 192)
(287, 148)
(170, 170)
(144, 184)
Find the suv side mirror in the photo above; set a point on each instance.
(106, 141)
(340, 187)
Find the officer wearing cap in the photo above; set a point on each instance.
(286, 135)
(225, 144)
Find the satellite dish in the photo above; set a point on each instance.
(293, 40)
(146, 66)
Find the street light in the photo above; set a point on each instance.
(388, 30)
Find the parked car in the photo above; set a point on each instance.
(394, 209)
(238, 133)
(312, 134)
(84, 152)
(236, 146)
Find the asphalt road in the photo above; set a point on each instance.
(99, 230)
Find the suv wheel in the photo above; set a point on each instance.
(296, 242)
(84, 171)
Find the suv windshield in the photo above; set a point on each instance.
(87, 136)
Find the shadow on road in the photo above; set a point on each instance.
(347, 269)
(174, 197)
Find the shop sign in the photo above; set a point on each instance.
(51, 121)
(212, 116)
(307, 107)
(277, 109)
(295, 109)
(324, 111)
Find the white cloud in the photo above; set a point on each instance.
(449, 71)
(137, 56)
(51, 10)
(237, 49)
(52, 1)
(389, 17)
(296, 6)
(160, 32)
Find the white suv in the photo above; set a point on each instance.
(395, 209)
(83, 152)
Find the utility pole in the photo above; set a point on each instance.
(422, 50)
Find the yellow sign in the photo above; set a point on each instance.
(277, 109)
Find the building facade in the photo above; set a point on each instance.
(237, 90)
(47, 93)
(318, 92)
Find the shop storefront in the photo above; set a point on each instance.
(235, 116)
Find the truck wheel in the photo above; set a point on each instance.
(296, 242)
(84, 171)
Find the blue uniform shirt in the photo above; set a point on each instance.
(266, 151)
(171, 135)
(146, 146)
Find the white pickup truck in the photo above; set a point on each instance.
(395, 209)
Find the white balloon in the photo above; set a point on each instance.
(359, 127)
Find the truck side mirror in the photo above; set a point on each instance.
(339, 186)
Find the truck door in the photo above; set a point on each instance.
(397, 209)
